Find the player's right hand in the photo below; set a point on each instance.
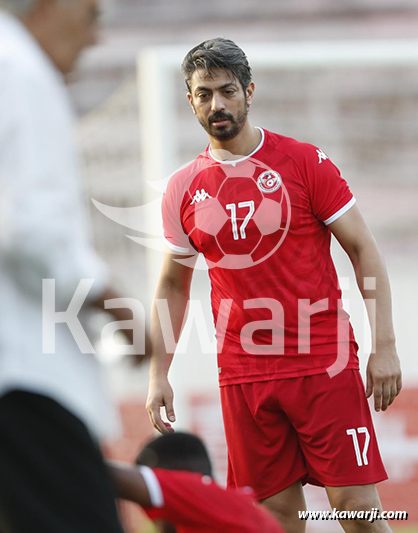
(160, 394)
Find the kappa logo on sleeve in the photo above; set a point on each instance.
(322, 156)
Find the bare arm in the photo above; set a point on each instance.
(383, 369)
(172, 294)
(130, 484)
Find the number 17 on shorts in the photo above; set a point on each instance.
(361, 456)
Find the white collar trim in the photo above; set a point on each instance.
(235, 161)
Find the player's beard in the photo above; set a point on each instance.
(225, 132)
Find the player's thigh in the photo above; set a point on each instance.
(362, 499)
(335, 429)
(354, 498)
(263, 448)
(286, 506)
(52, 474)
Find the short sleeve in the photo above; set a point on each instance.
(174, 235)
(329, 193)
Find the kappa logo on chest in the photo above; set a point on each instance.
(200, 196)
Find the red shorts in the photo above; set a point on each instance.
(313, 428)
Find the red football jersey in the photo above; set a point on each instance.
(261, 223)
(195, 503)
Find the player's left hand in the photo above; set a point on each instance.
(384, 377)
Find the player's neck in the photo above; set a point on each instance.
(240, 146)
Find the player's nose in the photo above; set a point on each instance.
(218, 103)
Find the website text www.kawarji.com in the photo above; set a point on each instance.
(371, 516)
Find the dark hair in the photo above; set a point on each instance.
(176, 451)
(217, 54)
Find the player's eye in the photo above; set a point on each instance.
(229, 92)
(202, 96)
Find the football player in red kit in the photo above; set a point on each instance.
(261, 208)
(188, 500)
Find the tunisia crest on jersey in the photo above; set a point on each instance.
(269, 181)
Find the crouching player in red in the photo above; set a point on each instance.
(188, 501)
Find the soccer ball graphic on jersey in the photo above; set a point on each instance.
(236, 215)
(241, 213)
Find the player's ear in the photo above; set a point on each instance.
(250, 90)
(190, 98)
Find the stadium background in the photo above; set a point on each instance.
(365, 118)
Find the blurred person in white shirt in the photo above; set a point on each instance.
(53, 406)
